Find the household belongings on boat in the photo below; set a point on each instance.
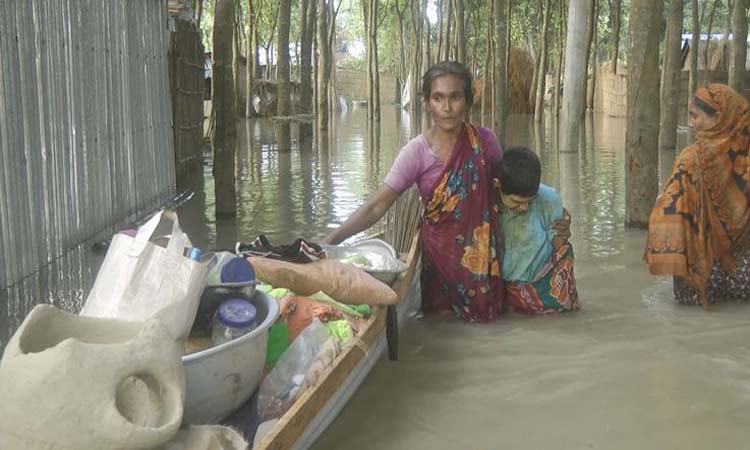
(299, 251)
(213, 394)
(217, 379)
(226, 310)
(140, 279)
(85, 383)
(374, 256)
(323, 307)
(315, 408)
(222, 373)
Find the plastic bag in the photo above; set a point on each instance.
(139, 279)
(287, 379)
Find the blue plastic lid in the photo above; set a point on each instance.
(236, 312)
(237, 270)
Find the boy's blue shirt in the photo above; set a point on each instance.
(527, 237)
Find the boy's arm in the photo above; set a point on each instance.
(561, 228)
(557, 218)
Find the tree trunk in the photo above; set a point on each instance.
(575, 57)
(501, 71)
(250, 60)
(711, 14)
(694, 46)
(366, 14)
(508, 41)
(725, 41)
(591, 26)
(416, 59)
(402, 72)
(739, 46)
(269, 58)
(615, 12)
(315, 62)
(236, 69)
(238, 25)
(448, 30)
(642, 128)
(199, 11)
(560, 59)
(373, 81)
(535, 77)
(476, 33)
(537, 52)
(543, 57)
(595, 66)
(460, 31)
(375, 63)
(487, 79)
(427, 42)
(333, 103)
(670, 93)
(305, 57)
(283, 99)
(324, 74)
(256, 53)
(441, 37)
(223, 101)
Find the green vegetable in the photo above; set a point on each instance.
(359, 311)
(341, 330)
(357, 260)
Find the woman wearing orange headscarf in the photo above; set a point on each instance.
(698, 229)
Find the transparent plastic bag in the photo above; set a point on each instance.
(287, 380)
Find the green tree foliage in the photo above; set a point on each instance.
(525, 27)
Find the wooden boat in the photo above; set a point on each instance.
(317, 407)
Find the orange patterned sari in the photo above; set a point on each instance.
(701, 217)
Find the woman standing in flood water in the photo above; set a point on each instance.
(451, 164)
(698, 229)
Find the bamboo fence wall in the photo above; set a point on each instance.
(187, 83)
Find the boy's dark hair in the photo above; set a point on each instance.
(519, 172)
(448, 68)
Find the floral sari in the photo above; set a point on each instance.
(553, 288)
(701, 217)
(460, 261)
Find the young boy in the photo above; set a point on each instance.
(537, 265)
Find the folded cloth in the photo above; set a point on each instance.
(300, 251)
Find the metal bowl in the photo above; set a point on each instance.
(389, 275)
(220, 379)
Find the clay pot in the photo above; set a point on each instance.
(207, 437)
(70, 382)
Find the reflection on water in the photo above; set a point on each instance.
(305, 192)
(632, 370)
(64, 284)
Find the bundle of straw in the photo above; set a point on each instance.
(520, 78)
(402, 220)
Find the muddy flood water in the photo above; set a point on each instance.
(632, 370)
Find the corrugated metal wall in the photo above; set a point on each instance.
(85, 123)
